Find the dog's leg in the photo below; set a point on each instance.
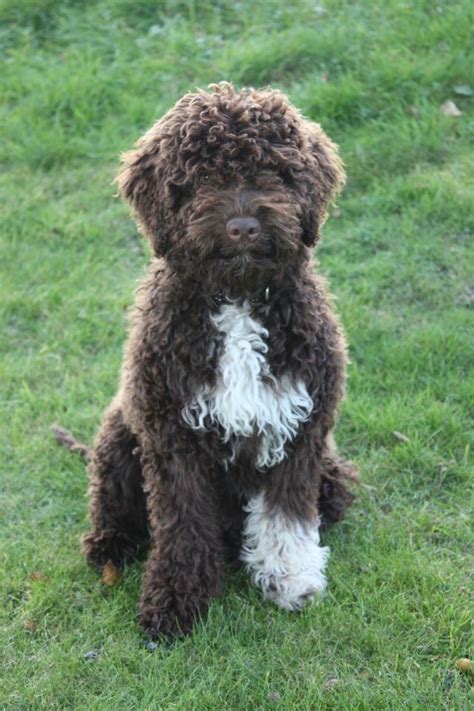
(336, 473)
(283, 554)
(117, 503)
(281, 540)
(185, 566)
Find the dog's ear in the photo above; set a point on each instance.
(140, 181)
(327, 178)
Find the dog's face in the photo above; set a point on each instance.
(233, 183)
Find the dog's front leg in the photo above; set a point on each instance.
(281, 542)
(185, 565)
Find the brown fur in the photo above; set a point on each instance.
(216, 155)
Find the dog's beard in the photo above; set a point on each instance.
(243, 266)
(247, 271)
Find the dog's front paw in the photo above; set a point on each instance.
(167, 615)
(292, 592)
(103, 547)
(283, 556)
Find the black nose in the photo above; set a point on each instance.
(243, 227)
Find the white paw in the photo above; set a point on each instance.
(283, 556)
(291, 592)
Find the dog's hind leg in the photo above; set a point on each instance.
(117, 500)
(336, 474)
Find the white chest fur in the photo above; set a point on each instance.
(247, 399)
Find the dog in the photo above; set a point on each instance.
(218, 446)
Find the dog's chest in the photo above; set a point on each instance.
(247, 400)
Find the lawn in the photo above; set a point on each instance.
(80, 82)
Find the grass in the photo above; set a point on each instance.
(81, 81)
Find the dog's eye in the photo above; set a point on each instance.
(205, 178)
(179, 194)
(287, 177)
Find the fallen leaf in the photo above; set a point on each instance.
(444, 466)
(90, 656)
(38, 577)
(449, 108)
(110, 574)
(325, 76)
(400, 437)
(464, 90)
(274, 696)
(155, 30)
(464, 664)
(413, 111)
(29, 626)
(467, 298)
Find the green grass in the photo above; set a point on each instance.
(80, 82)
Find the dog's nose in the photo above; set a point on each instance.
(243, 227)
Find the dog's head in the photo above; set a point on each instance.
(233, 181)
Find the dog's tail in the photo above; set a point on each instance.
(65, 439)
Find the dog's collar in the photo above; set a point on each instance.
(262, 296)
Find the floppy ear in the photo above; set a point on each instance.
(140, 181)
(327, 178)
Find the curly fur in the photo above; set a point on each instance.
(219, 440)
(247, 397)
(283, 555)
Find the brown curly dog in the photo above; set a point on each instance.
(219, 441)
